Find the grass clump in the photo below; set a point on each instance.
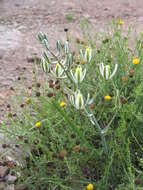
(70, 17)
(82, 128)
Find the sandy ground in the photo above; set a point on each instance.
(20, 21)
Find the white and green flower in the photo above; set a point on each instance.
(58, 71)
(87, 55)
(66, 47)
(106, 71)
(77, 100)
(45, 65)
(59, 46)
(79, 75)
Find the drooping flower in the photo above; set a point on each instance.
(45, 65)
(107, 98)
(62, 104)
(68, 60)
(59, 46)
(87, 55)
(79, 75)
(37, 124)
(77, 100)
(106, 71)
(66, 47)
(136, 61)
(90, 186)
(42, 37)
(58, 71)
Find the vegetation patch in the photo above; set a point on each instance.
(82, 127)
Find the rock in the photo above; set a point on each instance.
(3, 171)
(2, 179)
(11, 178)
(10, 187)
(2, 186)
(20, 187)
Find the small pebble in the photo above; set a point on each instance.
(11, 178)
(3, 171)
(10, 187)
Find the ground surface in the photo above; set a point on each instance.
(20, 21)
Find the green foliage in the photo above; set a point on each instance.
(66, 151)
(69, 17)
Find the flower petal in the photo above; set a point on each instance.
(107, 72)
(115, 70)
(101, 69)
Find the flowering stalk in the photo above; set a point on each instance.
(79, 75)
(68, 76)
(91, 116)
(77, 98)
(106, 71)
(78, 101)
(87, 55)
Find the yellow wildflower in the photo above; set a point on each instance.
(108, 98)
(120, 22)
(62, 104)
(83, 62)
(90, 186)
(136, 60)
(38, 124)
(27, 101)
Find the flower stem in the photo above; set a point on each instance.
(94, 122)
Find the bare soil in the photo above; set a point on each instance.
(20, 21)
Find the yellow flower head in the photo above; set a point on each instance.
(38, 124)
(108, 98)
(27, 101)
(120, 22)
(90, 186)
(83, 62)
(62, 104)
(136, 60)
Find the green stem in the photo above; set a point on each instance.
(94, 122)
